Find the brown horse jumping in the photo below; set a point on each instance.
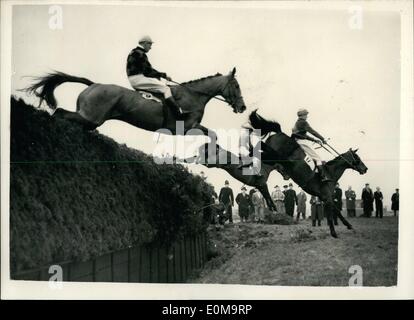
(101, 102)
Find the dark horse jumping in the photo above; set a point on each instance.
(212, 155)
(281, 149)
(101, 102)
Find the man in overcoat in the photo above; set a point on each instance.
(243, 200)
(378, 203)
(337, 198)
(395, 202)
(367, 201)
(227, 198)
(301, 209)
(350, 197)
(290, 200)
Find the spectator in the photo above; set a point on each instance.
(227, 198)
(367, 201)
(251, 206)
(290, 200)
(337, 198)
(217, 212)
(285, 188)
(243, 200)
(301, 209)
(350, 196)
(395, 202)
(316, 210)
(278, 198)
(378, 203)
(259, 205)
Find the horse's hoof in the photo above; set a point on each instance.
(350, 227)
(333, 234)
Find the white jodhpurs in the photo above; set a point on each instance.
(139, 81)
(306, 146)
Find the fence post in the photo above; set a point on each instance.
(129, 265)
(69, 273)
(150, 264)
(174, 260)
(94, 270)
(185, 260)
(112, 267)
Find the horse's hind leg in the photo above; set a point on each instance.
(328, 210)
(265, 192)
(343, 220)
(75, 117)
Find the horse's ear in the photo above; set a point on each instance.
(356, 150)
(233, 72)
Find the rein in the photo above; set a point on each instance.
(346, 160)
(340, 155)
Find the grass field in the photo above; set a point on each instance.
(302, 255)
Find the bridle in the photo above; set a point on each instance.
(351, 163)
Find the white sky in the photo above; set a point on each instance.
(348, 79)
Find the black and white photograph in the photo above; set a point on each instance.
(243, 148)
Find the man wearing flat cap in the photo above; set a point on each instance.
(299, 133)
(142, 76)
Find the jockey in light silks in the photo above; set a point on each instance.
(299, 133)
(142, 75)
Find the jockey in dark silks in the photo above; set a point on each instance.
(299, 133)
(143, 76)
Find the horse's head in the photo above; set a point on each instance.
(355, 161)
(232, 94)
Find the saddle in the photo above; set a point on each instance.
(159, 98)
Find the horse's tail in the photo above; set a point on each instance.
(48, 83)
(266, 126)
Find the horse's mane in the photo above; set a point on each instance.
(204, 78)
(266, 126)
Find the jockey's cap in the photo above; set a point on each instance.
(146, 39)
(302, 112)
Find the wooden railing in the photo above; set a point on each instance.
(148, 264)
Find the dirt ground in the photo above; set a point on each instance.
(302, 255)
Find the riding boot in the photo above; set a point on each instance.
(175, 107)
(323, 173)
